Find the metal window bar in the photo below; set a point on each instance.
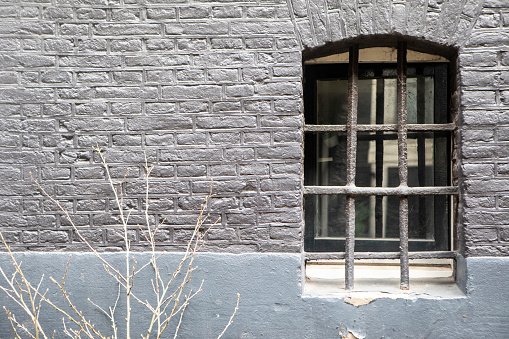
(378, 128)
(402, 164)
(403, 191)
(351, 132)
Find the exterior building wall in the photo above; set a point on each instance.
(202, 91)
(210, 93)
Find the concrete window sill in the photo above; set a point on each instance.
(380, 279)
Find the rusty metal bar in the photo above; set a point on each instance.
(380, 128)
(351, 146)
(400, 191)
(380, 255)
(402, 163)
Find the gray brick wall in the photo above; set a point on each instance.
(484, 69)
(204, 91)
(212, 90)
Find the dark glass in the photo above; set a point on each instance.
(331, 102)
(377, 217)
(325, 159)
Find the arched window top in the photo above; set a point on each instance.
(378, 55)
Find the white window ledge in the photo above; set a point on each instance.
(429, 278)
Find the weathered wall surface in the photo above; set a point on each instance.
(271, 305)
(203, 91)
(484, 71)
(213, 91)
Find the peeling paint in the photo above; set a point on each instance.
(358, 301)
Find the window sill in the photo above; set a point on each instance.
(430, 279)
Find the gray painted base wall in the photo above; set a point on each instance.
(271, 305)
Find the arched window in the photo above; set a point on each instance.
(378, 155)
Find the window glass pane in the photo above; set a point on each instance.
(377, 217)
(378, 101)
(327, 151)
(420, 103)
(377, 159)
(329, 215)
(331, 102)
(428, 159)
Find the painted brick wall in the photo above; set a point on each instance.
(203, 90)
(484, 67)
(212, 90)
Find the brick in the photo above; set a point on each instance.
(478, 98)
(224, 59)
(226, 12)
(226, 43)
(95, 124)
(191, 170)
(54, 13)
(259, 43)
(92, 77)
(159, 123)
(222, 170)
(488, 39)
(74, 29)
(145, 92)
(239, 91)
(91, 109)
(160, 44)
(126, 140)
(56, 110)
(126, 29)
(83, 93)
(163, 76)
(200, 28)
(127, 45)
(191, 155)
(34, 28)
(193, 107)
(478, 170)
(248, 28)
(161, 13)
(125, 14)
(219, 75)
(232, 107)
(239, 154)
(225, 138)
(91, 14)
(226, 122)
(261, 12)
(192, 92)
(192, 44)
(160, 108)
(191, 75)
(58, 45)
(194, 12)
(8, 78)
(99, 61)
(56, 77)
(191, 138)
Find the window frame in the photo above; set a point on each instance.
(329, 248)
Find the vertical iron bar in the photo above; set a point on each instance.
(351, 130)
(402, 163)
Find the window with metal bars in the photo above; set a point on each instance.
(378, 154)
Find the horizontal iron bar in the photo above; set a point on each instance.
(380, 255)
(377, 128)
(401, 191)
